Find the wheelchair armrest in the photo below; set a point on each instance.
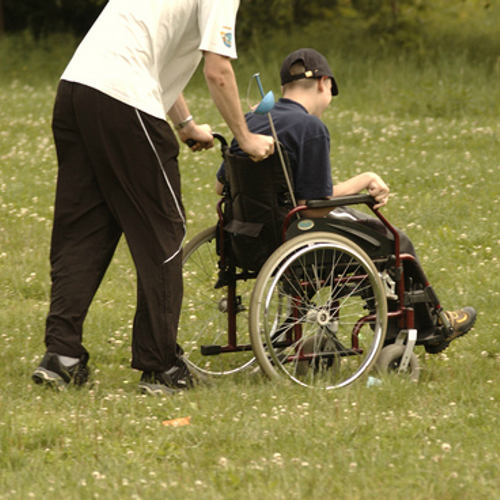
(340, 201)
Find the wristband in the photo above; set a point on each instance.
(183, 123)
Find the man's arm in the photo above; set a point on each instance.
(222, 85)
(201, 134)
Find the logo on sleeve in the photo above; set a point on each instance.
(227, 37)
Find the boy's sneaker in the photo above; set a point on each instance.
(176, 379)
(461, 322)
(60, 371)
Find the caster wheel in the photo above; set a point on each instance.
(389, 361)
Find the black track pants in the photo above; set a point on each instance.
(118, 173)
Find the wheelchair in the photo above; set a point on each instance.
(319, 302)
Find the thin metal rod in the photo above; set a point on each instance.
(282, 160)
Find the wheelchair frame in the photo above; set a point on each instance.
(292, 321)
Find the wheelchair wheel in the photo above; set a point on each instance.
(389, 361)
(318, 313)
(203, 325)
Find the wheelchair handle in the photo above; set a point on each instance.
(339, 201)
(219, 137)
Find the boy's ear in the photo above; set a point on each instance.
(321, 83)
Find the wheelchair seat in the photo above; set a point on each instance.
(371, 241)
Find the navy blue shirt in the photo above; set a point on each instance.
(307, 142)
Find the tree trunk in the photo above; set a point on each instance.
(2, 23)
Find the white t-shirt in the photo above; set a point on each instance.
(144, 52)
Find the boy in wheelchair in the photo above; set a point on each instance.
(308, 86)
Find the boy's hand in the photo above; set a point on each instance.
(379, 190)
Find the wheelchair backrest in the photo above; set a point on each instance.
(256, 203)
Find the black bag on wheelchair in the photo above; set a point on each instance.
(256, 204)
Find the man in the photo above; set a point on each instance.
(308, 86)
(118, 172)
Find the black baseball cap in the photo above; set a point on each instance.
(315, 64)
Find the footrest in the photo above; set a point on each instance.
(210, 350)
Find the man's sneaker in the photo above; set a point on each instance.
(176, 379)
(60, 371)
(461, 322)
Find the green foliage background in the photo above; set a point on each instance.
(405, 23)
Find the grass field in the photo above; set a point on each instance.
(432, 132)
